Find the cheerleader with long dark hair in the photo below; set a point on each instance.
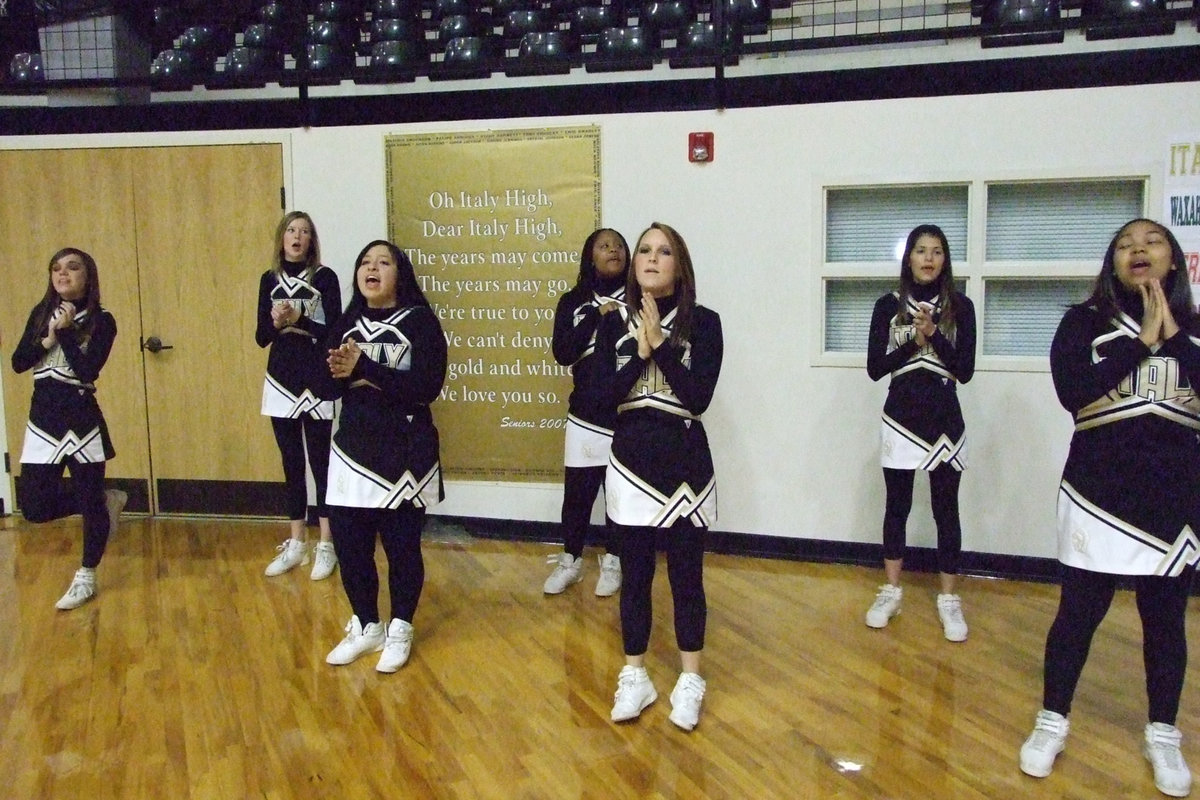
(66, 343)
(599, 291)
(387, 362)
(1126, 364)
(923, 336)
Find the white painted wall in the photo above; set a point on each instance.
(795, 441)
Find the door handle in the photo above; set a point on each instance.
(154, 344)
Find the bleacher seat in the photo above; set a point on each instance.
(26, 67)
(621, 49)
(1119, 19)
(465, 57)
(698, 46)
(543, 53)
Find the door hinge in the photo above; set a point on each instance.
(282, 199)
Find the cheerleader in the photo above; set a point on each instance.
(924, 337)
(1125, 363)
(298, 301)
(662, 362)
(387, 362)
(599, 290)
(66, 343)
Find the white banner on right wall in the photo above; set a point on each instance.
(1181, 202)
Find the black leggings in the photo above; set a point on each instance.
(579, 494)
(943, 495)
(1085, 598)
(685, 570)
(44, 497)
(354, 531)
(292, 435)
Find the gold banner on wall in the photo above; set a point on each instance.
(493, 222)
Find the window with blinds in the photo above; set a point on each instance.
(1058, 220)
(1020, 315)
(1043, 241)
(872, 223)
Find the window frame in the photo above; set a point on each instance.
(970, 266)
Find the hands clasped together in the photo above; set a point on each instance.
(649, 332)
(1158, 323)
(343, 360)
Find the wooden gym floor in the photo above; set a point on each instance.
(193, 676)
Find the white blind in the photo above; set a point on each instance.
(1020, 315)
(848, 306)
(871, 223)
(1058, 220)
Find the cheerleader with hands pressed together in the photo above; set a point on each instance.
(598, 291)
(661, 362)
(387, 362)
(1125, 363)
(298, 301)
(924, 337)
(66, 343)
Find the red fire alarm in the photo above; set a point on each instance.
(700, 146)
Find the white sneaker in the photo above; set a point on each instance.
(291, 553)
(1049, 738)
(634, 693)
(396, 646)
(114, 501)
(324, 561)
(358, 640)
(1161, 748)
(610, 576)
(949, 608)
(569, 571)
(685, 700)
(82, 589)
(886, 606)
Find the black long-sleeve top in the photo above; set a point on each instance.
(297, 354)
(659, 435)
(576, 322)
(1135, 451)
(922, 395)
(385, 423)
(64, 378)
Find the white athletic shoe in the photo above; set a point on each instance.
(568, 572)
(685, 700)
(634, 693)
(396, 646)
(609, 582)
(324, 561)
(1161, 748)
(358, 640)
(292, 552)
(886, 606)
(949, 608)
(82, 589)
(1049, 738)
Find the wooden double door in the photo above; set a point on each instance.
(180, 236)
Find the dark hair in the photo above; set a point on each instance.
(312, 259)
(685, 283)
(587, 265)
(1177, 288)
(91, 296)
(945, 281)
(408, 291)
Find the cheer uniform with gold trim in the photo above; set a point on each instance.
(590, 416)
(65, 423)
(296, 356)
(661, 471)
(385, 450)
(1129, 500)
(922, 420)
